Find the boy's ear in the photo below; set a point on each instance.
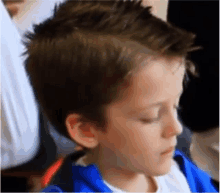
(83, 134)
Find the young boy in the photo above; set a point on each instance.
(109, 75)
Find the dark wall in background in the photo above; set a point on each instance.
(201, 99)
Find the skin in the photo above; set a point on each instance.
(14, 7)
(159, 7)
(129, 154)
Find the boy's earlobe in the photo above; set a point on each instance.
(84, 135)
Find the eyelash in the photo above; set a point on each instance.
(150, 121)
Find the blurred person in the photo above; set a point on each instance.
(159, 7)
(35, 12)
(19, 111)
(14, 7)
(201, 98)
(128, 69)
(24, 13)
(20, 121)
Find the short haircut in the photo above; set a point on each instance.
(78, 58)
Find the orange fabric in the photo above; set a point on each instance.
(45, 180)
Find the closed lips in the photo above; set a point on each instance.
(169, 150)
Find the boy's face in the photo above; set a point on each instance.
(144, 123)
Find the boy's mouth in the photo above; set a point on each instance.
(169, 150)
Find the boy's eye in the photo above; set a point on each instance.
(148, 121)
(154, 120)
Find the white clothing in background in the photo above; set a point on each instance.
(204, 151)
(35, 12)
(19, 111)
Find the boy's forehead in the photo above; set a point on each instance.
(157, 80)
(146, 61)
(160, 69)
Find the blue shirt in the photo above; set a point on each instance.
(89, 179)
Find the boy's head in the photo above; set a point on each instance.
(95, 66)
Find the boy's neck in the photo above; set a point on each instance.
(129, 183)
(124, 180)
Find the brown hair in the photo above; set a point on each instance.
(78, 58)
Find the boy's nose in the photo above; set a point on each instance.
(173, 127)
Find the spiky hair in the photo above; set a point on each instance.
(77, 58)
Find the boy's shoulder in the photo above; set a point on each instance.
(88, 179)
(198, 180)
(82, 179)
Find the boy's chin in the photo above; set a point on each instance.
(163, 169)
